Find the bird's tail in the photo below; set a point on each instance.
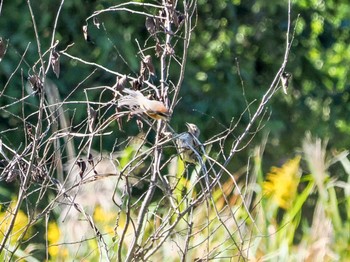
(132, 99)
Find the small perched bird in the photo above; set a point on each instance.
(187, 143)
(138, 103)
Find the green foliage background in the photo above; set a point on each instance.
(234, 42)
(250, 34)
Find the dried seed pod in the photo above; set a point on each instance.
(139, 124)
(137, 83)
(55, 62)
(86, 33)
(39, 174)
(285, 78)
(36, 83)
(96, 22)
(169, 49)
(12, 174)
(180, 19)
(82, 166)
(158, 48)
(150, 25)
(149, 65)
(29, 130)
(118, 118)
(91, 118)
(143, 70)
(121, 82)
(175, 19)
(91, 160)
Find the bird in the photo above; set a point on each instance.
(138, 103)
(188, 146)
(188, 143)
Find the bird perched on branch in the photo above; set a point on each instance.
(187, 144)
(189, 147)
(138, 103)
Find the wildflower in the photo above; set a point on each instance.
(105, 218)
(19, 227)
(53, 236)
(281, 183)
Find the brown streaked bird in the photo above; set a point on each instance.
(187, 143)
(138, 103)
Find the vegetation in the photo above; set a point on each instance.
(87, 173)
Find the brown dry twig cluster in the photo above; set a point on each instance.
(190, 198)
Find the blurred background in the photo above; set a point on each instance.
(235, 51)
(229, 37)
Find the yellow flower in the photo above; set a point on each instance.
(53, 236)
(105, 218)
(20, 224)
(281, 183)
